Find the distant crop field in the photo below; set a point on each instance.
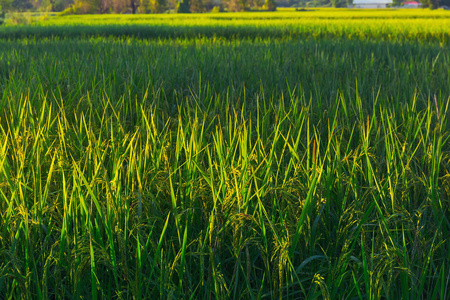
(389, 25)
(290, 155)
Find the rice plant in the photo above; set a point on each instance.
(199, 167)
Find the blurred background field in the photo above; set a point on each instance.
(388, 25)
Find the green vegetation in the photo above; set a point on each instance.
(180, 6)
(390, 25)
(192, 159)
(2, 16)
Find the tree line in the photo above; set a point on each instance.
(179, 6)
(135, 6)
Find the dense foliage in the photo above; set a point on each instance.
(217, 158)
(180, 6)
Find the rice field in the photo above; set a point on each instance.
(289, 155)
(381, 25)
